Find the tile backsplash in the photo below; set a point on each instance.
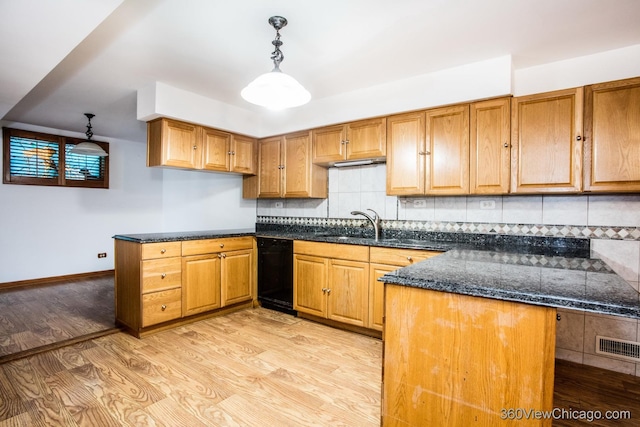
(612, 222)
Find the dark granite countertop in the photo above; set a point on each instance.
(184, 235)
(552, 281)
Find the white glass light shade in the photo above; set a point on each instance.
(276, 91)
(89, 149)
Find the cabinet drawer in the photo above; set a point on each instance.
(158, 307)
(161, 274)
(399, 257)
(208, 246)
(161, 250)
(332, 250)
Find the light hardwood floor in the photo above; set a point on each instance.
(255, 367)
(250, 368)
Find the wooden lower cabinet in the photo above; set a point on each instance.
(201, 283)
(340, 282)
(237, 277)
(331, 281)
(348, 292)
(159, 284)
(458, 360)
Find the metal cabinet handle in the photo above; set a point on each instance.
(163, 251)
(195, 147)
(506, 145)
(222, 245)
(163, 275)
(346, 141)
(424, 153)
(163, 307)
(578, 138)
(409, 258)
(328, 291)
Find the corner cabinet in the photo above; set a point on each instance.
(172, 143)
(160, 285)
(285, 170)
(383, 261)
(547, 142)
(364, 139)
(612, 136)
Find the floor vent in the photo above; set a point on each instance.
(628, 350)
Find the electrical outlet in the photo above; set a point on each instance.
(102, 255)
(487, 204)
(278, 205)
(419, 203)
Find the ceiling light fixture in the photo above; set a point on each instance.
(88, 147)
(276, 90)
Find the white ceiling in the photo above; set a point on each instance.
(61, 59)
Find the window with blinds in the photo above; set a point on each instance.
(35, 158)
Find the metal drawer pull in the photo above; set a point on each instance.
(163, 251)
(163, 307)
(409, 258)
(222, 245)
(163, 275)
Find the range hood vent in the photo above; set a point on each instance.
(358, 162)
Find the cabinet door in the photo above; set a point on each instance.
(270, 167)
(490, 146)
(180, 145)
(243, 155)
(347, 294)
(200, 283)
(447, 153)
(309, 281)
(297, 167)
(612, 131)
(216, 147)
(376, 294)
(237, 272)
(546, 138)
(329, 145)
(405, 154)
(367, 139)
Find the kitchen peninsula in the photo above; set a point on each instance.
(470, 334)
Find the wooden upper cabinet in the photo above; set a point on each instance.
(216, 146)
(364, 139)
(244, 155)
(329, 144)
(490, 146)
(270, 167)
(612, 136)
(405, 166)
(285, 170)
(428, 152)
(172, 143)
(183, 145)
(546, 139)
(447, 150)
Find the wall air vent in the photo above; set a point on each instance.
(628, 350)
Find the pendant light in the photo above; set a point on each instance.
(88, 147)
(276, 90)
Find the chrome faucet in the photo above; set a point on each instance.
(375, 220)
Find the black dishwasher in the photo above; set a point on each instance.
(275, 274)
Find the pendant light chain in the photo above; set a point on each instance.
(277, 55)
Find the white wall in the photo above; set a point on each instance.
(52, 231)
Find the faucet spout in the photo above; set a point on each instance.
(375, 221)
